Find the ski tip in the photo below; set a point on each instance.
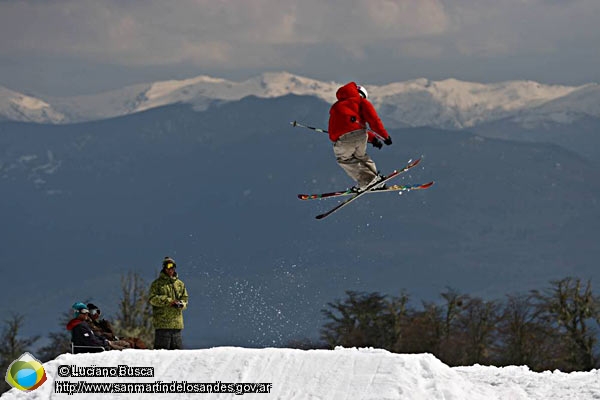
(427, 185)
(415, 162)
(293, 123)
(321, 216)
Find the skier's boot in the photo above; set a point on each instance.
(375, 179)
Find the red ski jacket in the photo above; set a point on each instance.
(352, 112)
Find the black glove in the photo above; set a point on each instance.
(388, 141)
(377, 143)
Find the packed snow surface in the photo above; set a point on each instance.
(312, 374)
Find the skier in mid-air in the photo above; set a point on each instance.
(352, 123)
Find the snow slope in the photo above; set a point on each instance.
(565, 109)
(20, 107)
(444, 104)
(321, 374)
(456, 104)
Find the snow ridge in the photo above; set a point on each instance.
(320, 374)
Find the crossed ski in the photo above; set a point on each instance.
(348, 192)
(369, 189)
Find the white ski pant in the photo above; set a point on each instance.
(351, 154)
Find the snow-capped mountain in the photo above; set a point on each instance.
(564, 109)
(200, 91)
(16, 106)
(444, 104)
(456, 104)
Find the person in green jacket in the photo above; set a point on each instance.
(168, 298)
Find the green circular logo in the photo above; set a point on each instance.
(26, 373)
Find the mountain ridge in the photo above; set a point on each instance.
(446, 104)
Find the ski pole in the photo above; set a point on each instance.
(296, 123)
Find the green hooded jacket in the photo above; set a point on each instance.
(162, 293)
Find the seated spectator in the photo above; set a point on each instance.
(81, 333)
(103, 328)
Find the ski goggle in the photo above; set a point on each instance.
(169, 265)
(95, 311)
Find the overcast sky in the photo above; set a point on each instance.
(63, 47)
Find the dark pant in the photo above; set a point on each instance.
(169, 339)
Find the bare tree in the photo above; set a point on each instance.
(525, 337)
(478, 323)
(134, 318)
(363, 319)
(12, 345)
(422, 330)
(554, 329)
(571, 307)
(452, 339)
